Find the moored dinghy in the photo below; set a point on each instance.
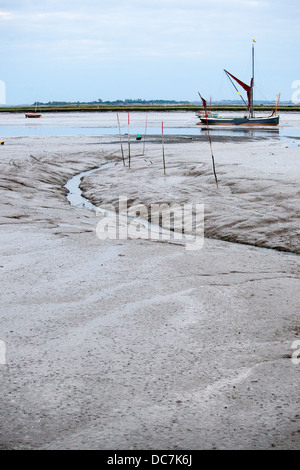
(34, 114)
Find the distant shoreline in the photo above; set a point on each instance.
(141, 108)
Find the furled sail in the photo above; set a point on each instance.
(204, 104)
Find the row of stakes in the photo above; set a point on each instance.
(138, 137)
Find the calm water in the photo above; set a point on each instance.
(105, 124)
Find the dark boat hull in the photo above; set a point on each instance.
(241, 121)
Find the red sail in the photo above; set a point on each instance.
(246, 87)
(204, 104)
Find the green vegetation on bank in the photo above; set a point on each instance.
(50, 108)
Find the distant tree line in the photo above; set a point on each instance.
(115, 102)
(148, 102)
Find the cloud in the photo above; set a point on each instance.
(159, 27)
(191, 38)
(5, 15)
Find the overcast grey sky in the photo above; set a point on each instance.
(156, 49)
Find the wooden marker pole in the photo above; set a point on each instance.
(212, 155)
(128, 142)
(145, 135)
(121, 140)
(163, 148)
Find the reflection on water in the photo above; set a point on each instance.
(292, 135)
(243, 132)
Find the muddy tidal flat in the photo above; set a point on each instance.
(136, 343)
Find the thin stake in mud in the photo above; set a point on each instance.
(121, 140)
(128, 142)
(163, 148)
(212, 155)
(145, 135)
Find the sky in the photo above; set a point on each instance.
(85, 50)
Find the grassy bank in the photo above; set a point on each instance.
(144, 108)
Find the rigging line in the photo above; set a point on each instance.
(261, 93)
(236, 89)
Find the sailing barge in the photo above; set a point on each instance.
(249, 119)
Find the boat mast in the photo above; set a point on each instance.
(252, 81)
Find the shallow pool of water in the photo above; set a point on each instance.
(106, 124)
